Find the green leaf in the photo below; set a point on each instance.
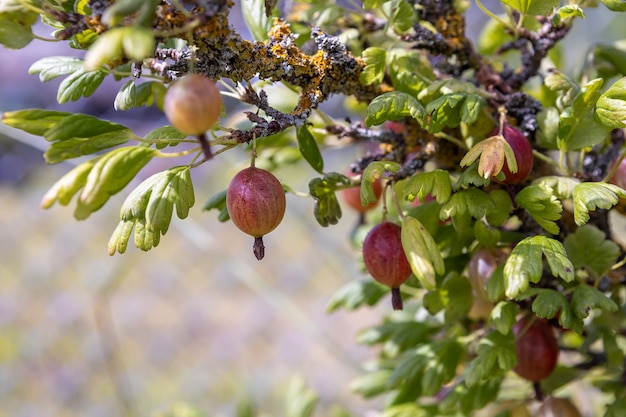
(403, 17)
(495, 356)
(611, 106)
(421, 252)
(256, 19)
(375, 59)
(567, 12)
(375, 171)
(503, 316)
(615, 5)
(533, 7)
(13, 34)
(138, 42)
(471, 107)
(357, 294)
(610, 59)
(309, 149)
(393, 106)
(81, 83)
(150, 206)
(67, 186)
(409, 71)
(503, 206)
(435, 183)
(495, 285)
(444, 111)
(589, 248)
(129, 97)
(471, 202)
(397, 336)
(466, 399)
(52, 67)
(373, 4)
(34, 121)
(525, 264)
(577, 128)
(562, 187)
(589, 196)
(111, 172)
(80, 134)
(542, 205)
(165, 136)
(586, 298)
(300, 400)
(371, 384)
(454, 297)
(470, 177)
(218, 202)
(549, 303)
(485, 234)
(327, 210)
(431, 364)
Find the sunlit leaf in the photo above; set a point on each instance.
(393, 106)
(421, 252)
(589, 196)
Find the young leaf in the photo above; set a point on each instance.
(374, 171)
(495, 356)
(421, 252)
(392, 106)
(309, 149)
(51, 67)
(503, 316)
(444, 111)
(562, 187)
(150, 206)
(471, 202)
(403, 17)
(589, 248)
(589, 196)
(611, 106)
(81, 83)
(525, 264)
(356, 294)
(327, 210)
(218, 202)
(375, 59)
(34, 121)
(435, 183)
(64, 189)
(109, 175)
(542, 205)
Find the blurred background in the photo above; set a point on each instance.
(198, 319)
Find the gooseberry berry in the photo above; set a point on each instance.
(536, 347)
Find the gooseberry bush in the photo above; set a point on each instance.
(497, 170)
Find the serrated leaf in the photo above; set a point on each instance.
(444, 111)
(525, 264)
(357, 294)
(403, 17)
(375, 59)
(611, 106)
(454, 297)
(112, 172)
(495, 356)
(33, 121)
(470, 110)
(13, 34)
(503, 206)
(562, 187)
(471, 202)
(588, 196)
(485, 234)
(435, 183)
(503, 316)
(327, 210)
(542, 205)
(469, 177)
(309, 149)
(52, 67)
(548, 303)
(589, 248)
(421, 252)
(393, 106)
(81, 83)
(150, 206)
(67, 186)
(374, 172)
(586, 298)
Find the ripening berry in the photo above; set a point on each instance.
(385, 259)
(193, 104)
(255, 200)
(523, 151)
(536, 347)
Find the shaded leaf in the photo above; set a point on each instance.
(495, 356)
(393, 106)
(309, 149)
(542, 205)
(375, 171)
(357, 294)
(589, 248)
(586, 298)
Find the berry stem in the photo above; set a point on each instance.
(538, 392)
(258, 248)
(396, 299)
(206, 148)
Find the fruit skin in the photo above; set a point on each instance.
(193, 104)
(558, 407)
(385, 259)
(256, 203)
(536, 347)
(480, 268)
(523, 151)
(352, 197)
